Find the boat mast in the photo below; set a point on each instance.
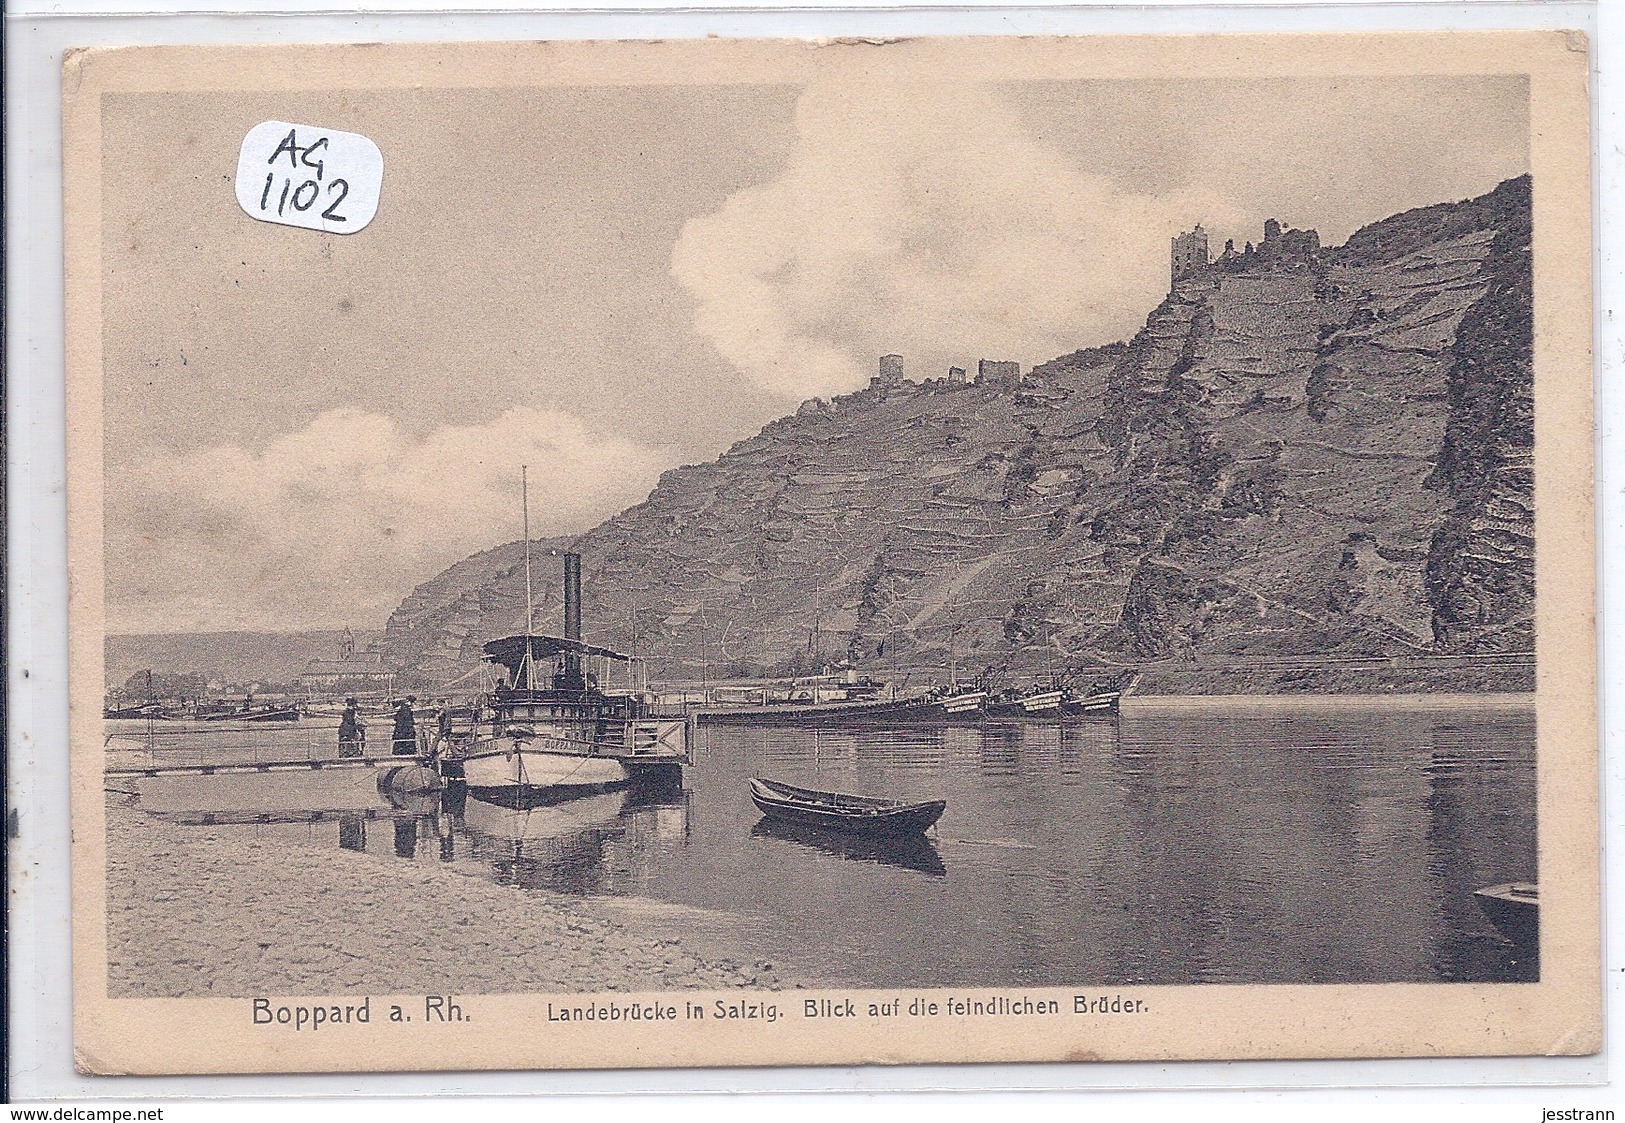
(705, 661)
(530, 605)
(152, 711)
(816, 643)
(632, 663)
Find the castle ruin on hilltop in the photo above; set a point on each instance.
(989, 372)
(998, 372)
(1188, 252)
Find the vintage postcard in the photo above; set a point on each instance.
(614, 554)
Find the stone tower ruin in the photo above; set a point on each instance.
(1188, 252)
(998, 372)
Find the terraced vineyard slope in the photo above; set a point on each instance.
(1310, 470)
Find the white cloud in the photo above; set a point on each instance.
(336, 522)
(929, 220)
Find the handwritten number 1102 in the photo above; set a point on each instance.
(299, 201)
(302, 155)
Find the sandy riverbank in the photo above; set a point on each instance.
(196, 911)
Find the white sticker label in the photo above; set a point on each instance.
(299, 175)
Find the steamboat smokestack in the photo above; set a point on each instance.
(571, 677)
(572, 596)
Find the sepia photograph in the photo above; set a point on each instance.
(728, 552)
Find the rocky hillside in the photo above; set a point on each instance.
(1310, 470)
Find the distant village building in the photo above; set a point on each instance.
(998, 372)
(891, 370)
(1188, 252)
(956, 376)
(351, 672)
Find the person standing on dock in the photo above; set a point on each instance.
(406, 734)
(442, 725)
(447, 753)
(352, 731)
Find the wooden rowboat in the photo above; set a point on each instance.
(840, 811)
(1514, 908)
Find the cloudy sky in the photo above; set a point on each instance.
(604, 283)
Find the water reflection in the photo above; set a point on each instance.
(922, 748)
(1001, 750)
(1212, 844)
(908, 852)
(1477, 833)
(353, 833)
(406, 838)
(1342, 848)
(603, 843)
(453, 798)
(608, 842)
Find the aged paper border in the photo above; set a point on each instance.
(1559, 1015)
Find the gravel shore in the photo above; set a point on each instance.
(206, 911)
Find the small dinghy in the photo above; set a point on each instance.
(839, 811)
(1514, 908)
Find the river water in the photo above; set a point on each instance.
(1267, 841)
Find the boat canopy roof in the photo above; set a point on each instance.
(510, 650)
